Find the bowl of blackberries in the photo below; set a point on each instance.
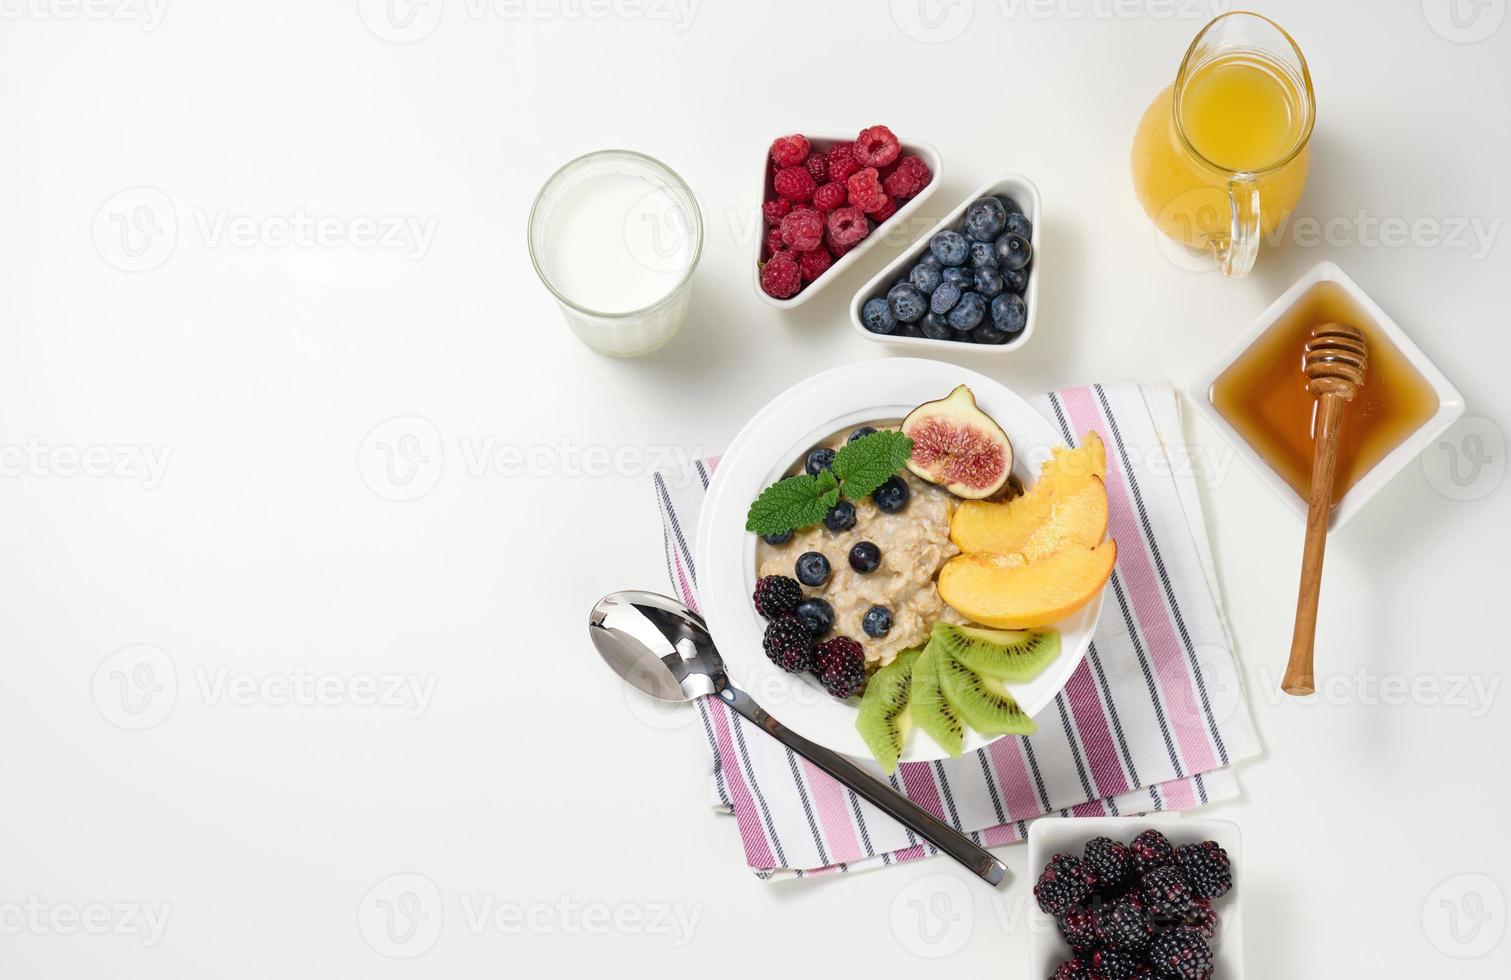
(972, 279)
(1124, 898)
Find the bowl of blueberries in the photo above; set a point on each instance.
(973, 279)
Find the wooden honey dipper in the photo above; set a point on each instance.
(1336, 357)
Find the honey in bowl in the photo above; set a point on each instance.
(1263, 394)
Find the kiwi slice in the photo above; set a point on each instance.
(984, 707)
(882, 720)
(1014, 656)
(929, 708)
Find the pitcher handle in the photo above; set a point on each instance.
(1236, 254)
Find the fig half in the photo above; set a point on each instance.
(959, 447)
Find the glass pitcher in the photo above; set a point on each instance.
(1221, 155)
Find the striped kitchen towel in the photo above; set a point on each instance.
(1153, 719)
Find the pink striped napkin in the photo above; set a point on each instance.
(1154, 719)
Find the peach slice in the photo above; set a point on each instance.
(1076, 518)
(1004, 528)
(1004, 592)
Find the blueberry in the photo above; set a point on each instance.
(877, 316)
(877, 621)
(817, 615)
(906, 303)
(1013, 251)
(818, 460)
(1016, 279)
(949, 247)
(944, 298)
(982, 254)
(988, 281)
(934, 327)
(925, 278)
(812, 568)
(985, 219)
(1009, 204)
(1009, 313)
(1019, 224)
(860, 433)
(777, 539)
(841, 516)
(988, 334)
(959, 276)
(865, 557)
(968, 312)
(928, 259)
(893, 495)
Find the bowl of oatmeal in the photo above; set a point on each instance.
(912, 543)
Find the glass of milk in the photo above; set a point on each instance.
(615, 236)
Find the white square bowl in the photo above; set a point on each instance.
(1049, 836)
(1021, 190)
(822, 143)
(1450, 402)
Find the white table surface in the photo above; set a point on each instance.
(257, 820)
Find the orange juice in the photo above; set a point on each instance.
(1241, 112)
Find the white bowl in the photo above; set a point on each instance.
(1450, 402)
(923, 151)
(764, 451)
(1049, 836)
(1020, 189)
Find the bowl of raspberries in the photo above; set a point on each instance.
(972, 279)
(827, 199)
(1120, 898)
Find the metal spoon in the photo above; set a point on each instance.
(664, 649)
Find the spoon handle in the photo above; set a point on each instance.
(949, 840)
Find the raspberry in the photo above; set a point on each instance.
(876, 147)
(781, 277)
(803, 229)
(789, 151)
(885, 211)
(829, 196)
(1109, 862)
(1078, 926)
(836, 249)
(814, 263)
(1062, 885)
(1073, 970)
(775, 210)
(789, 644)
(1203, 918)
(774, 243)
(1205, 868)
(842, 667)
(1115, 964)
(865, 190)
(911, 176)
(1123, 924)
(1166, 894)
(842, 162)
(777, 595)
(793, 183)
(817, 165)
(1181, 954)
(1150, 850)
(847, 225)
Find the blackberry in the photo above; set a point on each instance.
(1151, 850)
(789, 644)
(1206, 869)
(1113, 964)
(777, 595)
(1109, 862)
(1064, 884)
(1203, 918)
(1123, 924)
(841, 667)
(1181, 954)
(1073, 970)
(1166, 895)
(1078, 926)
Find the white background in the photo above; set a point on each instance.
(264, 368)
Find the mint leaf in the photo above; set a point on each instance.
(793, 503)
(827, 481)
(870, 461)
